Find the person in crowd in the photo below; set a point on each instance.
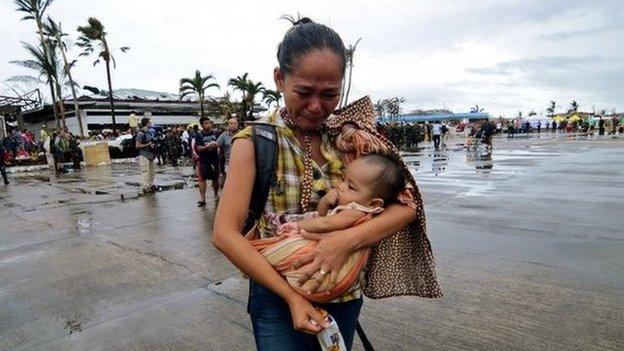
(436, 131)
(225, 145)
(174, 146)
(146, 155)
(601, 126)
(208, 166)
(3, 163)
(133, 121)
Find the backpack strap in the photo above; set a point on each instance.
(265, 149)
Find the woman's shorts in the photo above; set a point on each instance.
(207, 171)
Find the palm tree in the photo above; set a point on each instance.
(35, 10)
(252, 89)
(476, 109)
(240, 83)
(393, 106)
(226, 105)
(272, 96)
(551, 109)
(45, 65)
(92, 36)
(349, 58)
(574, 106)
(55, 32)
(380, 107)
(197, 85)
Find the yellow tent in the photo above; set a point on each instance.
(558, 118)
(575, 118)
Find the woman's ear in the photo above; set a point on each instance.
(278, 78)
(377, 202)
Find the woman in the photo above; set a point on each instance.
(311, 67)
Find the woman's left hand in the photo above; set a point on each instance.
(327, 258)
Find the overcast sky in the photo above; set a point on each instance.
(505, 56)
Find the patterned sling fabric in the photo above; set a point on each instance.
(284, 250)
(403, 263)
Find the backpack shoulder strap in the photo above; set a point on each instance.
(265, 149)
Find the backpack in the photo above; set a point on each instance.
(265, 148)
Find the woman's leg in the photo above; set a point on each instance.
(272, 323)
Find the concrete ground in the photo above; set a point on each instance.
(529, 248)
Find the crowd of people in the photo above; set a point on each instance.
(20, 144)
(208, 146)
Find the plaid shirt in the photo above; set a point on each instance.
(284, 196)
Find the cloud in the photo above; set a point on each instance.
(616, 24)
(540, 65)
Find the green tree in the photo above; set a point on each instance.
(272, 96)
(551, 109)
(226, 105)
(55, 32)
(381, 107)
(476, 109)
(240, 83)
(46, 66)
(574, 106)
(93, 37)
(35, 10)
(393, 106)
(252, 90)
(198, 86)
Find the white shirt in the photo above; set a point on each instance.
(436, 129)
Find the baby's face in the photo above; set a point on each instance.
(359, 181)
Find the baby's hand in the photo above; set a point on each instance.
(331, 198)
(289, 228)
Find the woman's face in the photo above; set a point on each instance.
(312, 89)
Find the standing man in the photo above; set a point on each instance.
(614, 123)
(436, 130)
(43, 135)
(146, 155)
(225, 145)
(208, 166)
(601, 126)
(2, 165)
(133, 122)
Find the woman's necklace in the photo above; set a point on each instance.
(306, 186)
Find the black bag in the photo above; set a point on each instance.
(265, 149)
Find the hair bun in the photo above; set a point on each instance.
(303, 20)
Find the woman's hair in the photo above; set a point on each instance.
(390, 178)
(306, 36)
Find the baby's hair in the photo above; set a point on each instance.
(390, 179)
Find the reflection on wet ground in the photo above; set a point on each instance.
(452, 165)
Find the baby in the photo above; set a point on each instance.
(371, 182)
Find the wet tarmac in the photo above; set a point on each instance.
(529, 245)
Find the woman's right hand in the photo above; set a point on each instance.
(305, 317)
